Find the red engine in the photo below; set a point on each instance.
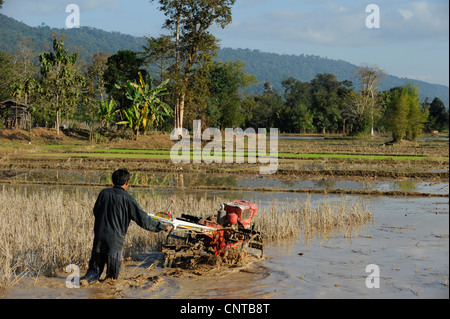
(240, 211)
(235, 215)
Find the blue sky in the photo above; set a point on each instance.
(412, 41)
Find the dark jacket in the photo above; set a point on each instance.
(114, 209)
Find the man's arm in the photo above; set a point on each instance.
(144, 220)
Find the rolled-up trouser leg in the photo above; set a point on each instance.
(113, 265)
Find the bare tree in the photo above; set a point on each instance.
(369, 78)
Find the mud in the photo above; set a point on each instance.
(144, 277)
(408, 241)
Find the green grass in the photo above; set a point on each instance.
(165, 154)
(102, 155)
(57, 146)
(346, 156)
(134, 151)
(291, 155)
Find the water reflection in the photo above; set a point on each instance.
(408, 185)
(230, 181)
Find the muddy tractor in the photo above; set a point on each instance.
(230, 231)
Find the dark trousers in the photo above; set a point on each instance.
(97, 265)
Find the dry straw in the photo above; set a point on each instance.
(46, 229)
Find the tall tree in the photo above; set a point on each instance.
(189, 22)
(354, 113)
(6, 76)
(416, 115)
(369, 78)
(325, 102)
(160, 52)
(95, 89)
(298, 117)
(26, 84)
(96, 71)
(264, 110)
(61, 79)
(122, 67)
(227, 80)
(25, 65)
(397, 113)
(439, 116)
(404, 116)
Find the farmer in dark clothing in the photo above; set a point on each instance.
(114, 209)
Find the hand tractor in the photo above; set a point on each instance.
(231, 230)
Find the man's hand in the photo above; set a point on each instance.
(168, 229)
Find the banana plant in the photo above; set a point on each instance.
(147, 109)
(106, 112)
(157, 109)
(135, 117)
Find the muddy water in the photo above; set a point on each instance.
(233, 181)
(408, 242)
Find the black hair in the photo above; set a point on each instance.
(120, 177)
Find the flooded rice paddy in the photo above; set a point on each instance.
(176, 180)
(407, 241)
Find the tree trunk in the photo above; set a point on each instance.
(181, 110)
(178, 123)
(175, 113)
(57, 116)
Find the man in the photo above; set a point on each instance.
(114, 209)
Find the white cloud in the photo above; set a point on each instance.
(55, 7)
(425, 78)
(42, 7)
(106, 5)
(342, 23)
(406, 14)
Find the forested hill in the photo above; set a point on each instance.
(86, 40)
(274, 68)
(268, 67)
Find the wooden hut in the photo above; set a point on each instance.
(15, 115)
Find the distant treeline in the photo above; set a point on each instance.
(325, 105)
(141, 88)
(266, 67)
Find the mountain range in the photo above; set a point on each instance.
(267, 67)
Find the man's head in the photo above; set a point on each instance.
(121, 178)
